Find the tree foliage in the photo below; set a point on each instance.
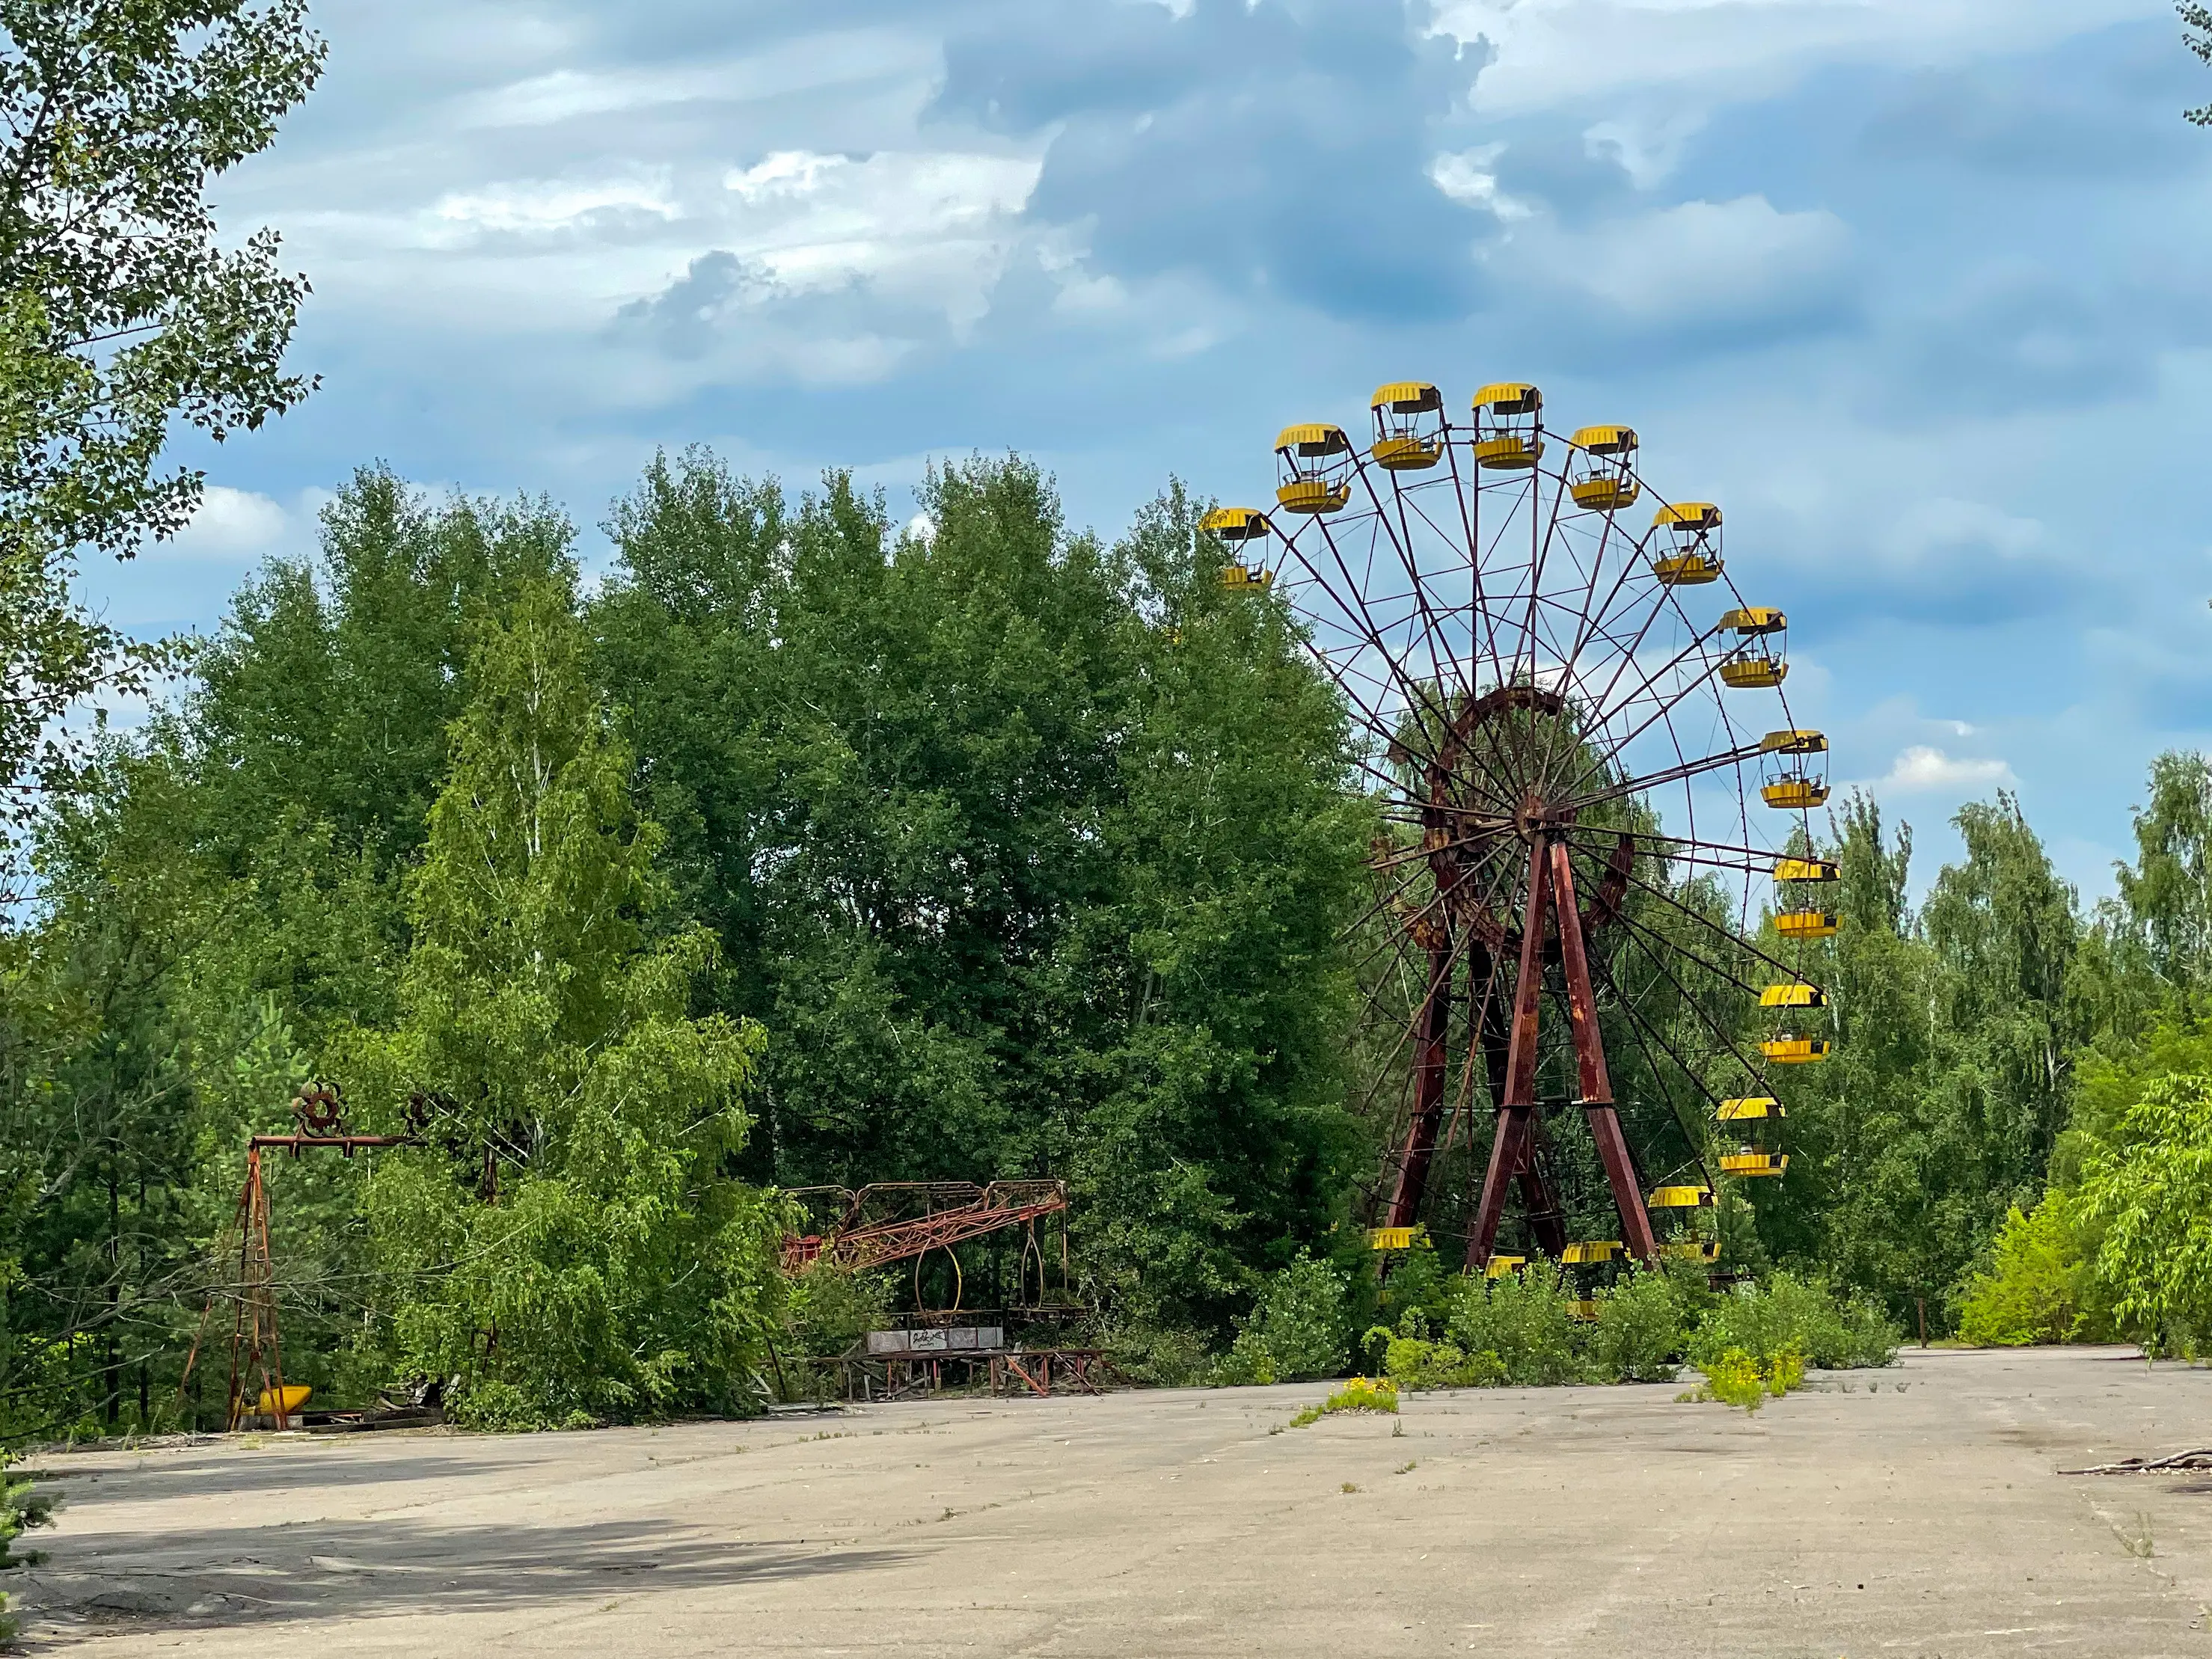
(1028, 852)
(122, 314)
(2151, 1192)
(573, 1240)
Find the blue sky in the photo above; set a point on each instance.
(1915, 288)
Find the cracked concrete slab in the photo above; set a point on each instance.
(1913, 1512)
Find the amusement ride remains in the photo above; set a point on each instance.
(1594, 797)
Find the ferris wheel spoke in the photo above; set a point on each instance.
(1707, 922)
(1403, 547)
(1676, 774)
(1414, 695)
(1588, 617)
(1720, 1034)
(1661, 839)
(1486, 648)
(1663, 705)
(1637, 1024)
(1713, 967)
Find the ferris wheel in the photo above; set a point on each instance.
(1596, 885)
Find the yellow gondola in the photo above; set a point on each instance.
(1241, 527)
(1603, 1249)
(1807, 924)
(1584, 1309)
(1792, 996)
(1500, 1266)
(1679, 1198)
(1237, 525)
(294, 1396)
(1790, 1050)
(1747, 1109)
(1797, 769)
(1756, 660)
(1509, 426)
(1603, 481)
(1794, 869)
(1690, 556)
(1390, 1238)
(1799, 995)
(1409, 425)
(1749, 1163)
(1317, 468)
(1693, 1250)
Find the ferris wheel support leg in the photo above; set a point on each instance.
(1512, 1149)
(1428, 1094)
(1596, 1087)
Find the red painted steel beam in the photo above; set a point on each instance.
(1596, 1087)
(1428, 1094)
(1509, 1147)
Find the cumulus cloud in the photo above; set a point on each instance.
(1276, 149)
(231, 525)
(1736, 261)
(1924, 769)
(1553, 52)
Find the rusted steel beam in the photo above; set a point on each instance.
(1510, 1149)
(1002, 1204)
(1428, 1094)
(1589, 1065)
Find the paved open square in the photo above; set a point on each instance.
(1915, 1510)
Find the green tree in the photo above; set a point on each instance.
(1952, 1076)
(2151, 1191)
(1028, 852)
(122, 314)
(326, 696)
(574, 1241)
(2167, 894)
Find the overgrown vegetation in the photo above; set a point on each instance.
(1358, 1393)
(1531, 1329)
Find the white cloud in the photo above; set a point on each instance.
(1572, 52)
(1697, 261)
(554, 205)
(231, 525)
(1924, 768)
(817, 220)
(1646, 148)
(1938, 526)
(1465, 176)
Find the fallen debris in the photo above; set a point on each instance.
(2174, 1463)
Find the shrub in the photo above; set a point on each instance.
(2151, 1193)
(1639, 1333)
(1733, 1378)
(1168, 1356)
(495, 1407)
(1420, 1282)
(1524, 1324)
(1737, 1378)
(829, 1308)
(1298, 1329)
(1411, 1361)
(1359, 1393)
(2040, 1283)
(1790, 1313)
